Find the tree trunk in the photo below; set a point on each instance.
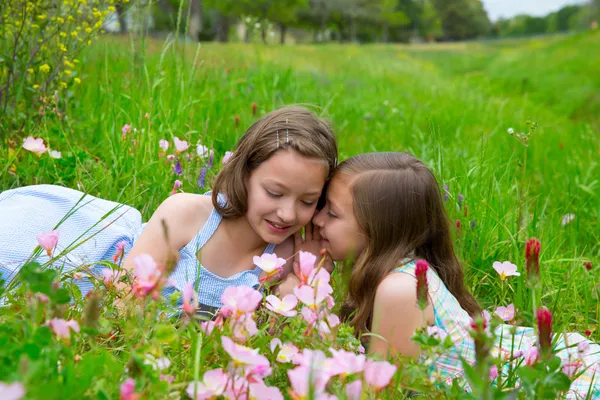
(352, 30)
(282, 29)
(248, 33)
(263, 32)
(121, 16)
(386, 32)
(195, 23)
(222, 28)
(323, 26)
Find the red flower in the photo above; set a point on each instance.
(237, 120)
(588, 333)
(532, 257)
(422, 286)
(588, 265)
(544, 320)
(253, 108)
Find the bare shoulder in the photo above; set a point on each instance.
(187, 212)
(397, 287)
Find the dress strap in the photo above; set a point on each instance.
(211, 224)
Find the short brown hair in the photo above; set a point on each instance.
(398, 206)
(291, 127)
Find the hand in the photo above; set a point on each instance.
(287, 285)
(311, 243)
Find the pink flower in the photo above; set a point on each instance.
(436, 332)
(227, 157)
(111, 276)
(532, 258)
(180, 145)
(190, 298)
(422, 285)
(244, 327)
(302, 380)
(531, 355)
(570, 369)
(505, 269)
(167, 378)
(544, 322)
(309, 315)
(34, 145)
(506, 313)
(163, 144)
(284, 307)
(203, 151)
(11, 391)
(127, 390)
(55, 154)
(378, 373)
(493, 372)
(311, 296)
(346, 363)
(125, 129)
(119, 250)
(213, 384)
(263, 392)
(62, 328)
(176, 185)
(42, 297)
(270, 263)
(243, 355)
(306, 265)
(354, 390)
(286, 352)
(48, 241)
(207, 326)
(147, 274)
(238, 300)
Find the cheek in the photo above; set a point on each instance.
(305, 214)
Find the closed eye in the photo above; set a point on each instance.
(274, 195)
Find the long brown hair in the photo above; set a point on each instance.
(399, 208)
(289, 128)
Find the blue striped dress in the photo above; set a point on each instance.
(90, 234)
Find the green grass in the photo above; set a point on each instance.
(450, 105)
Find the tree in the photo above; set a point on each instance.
(462, 19)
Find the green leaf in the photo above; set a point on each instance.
(557, 381)
(165, 333)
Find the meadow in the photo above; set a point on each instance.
(511, 129)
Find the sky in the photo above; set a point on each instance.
(510, 8)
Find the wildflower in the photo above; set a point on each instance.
(45, 68)
(510, 131)
(243, 355)
(237, 120)
(312, 296)
(422, 286)
(506, 313)
(177, 167)
(120, 249)
(458, 225)
(286, 351)
(157, 363)
(55, 154)
(473, 224)
(570, 369)
(253, 108)
(77, 80)
(270, 264)
(127, 390)
(244, 327)
(226, 157)
(261, 391)
(446, 192)
(436, 332)
(202, 177)
(180, 145)
(62, 328)
(544, 321)
(460, 200)
(163, 144)
(34, 145)
(207, 326)
(167, 378)
(583, 347)
(588, 333)
(11, 391)
(309, 315)
(532, 257)
(505, 269)
(346, 363)
(111, 276)
(567, 218)
(202, 150)
(190, 298)
(239, 300)
(284, 307)
(48, 241)
(378, 374)
(493, 372)
(303, 380)
(531, 355)
(126, 129)
(176, 185)
(147, 275)
(587, 265)
(306, 265)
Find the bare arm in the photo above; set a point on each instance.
(183, 215)
(396, 316)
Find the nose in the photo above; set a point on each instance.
(319, 219)
(287, 213)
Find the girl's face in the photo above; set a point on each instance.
(283, 193)
(340, 233)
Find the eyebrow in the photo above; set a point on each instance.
(281, 185)
(333, 203)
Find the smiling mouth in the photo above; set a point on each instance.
(278, 227)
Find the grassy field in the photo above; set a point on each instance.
(450, 105)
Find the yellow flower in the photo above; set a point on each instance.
(76, 61)
(62, 34)
(45, 68)
(30, 70)
(62, 48)
(88, 30)
(35, 26)
(63, 85)
(77, 81)
(68, 71)
(70, 18)
(60, 20)
(35, 87)
(112, 8)
(74, 34)
(41, 17)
